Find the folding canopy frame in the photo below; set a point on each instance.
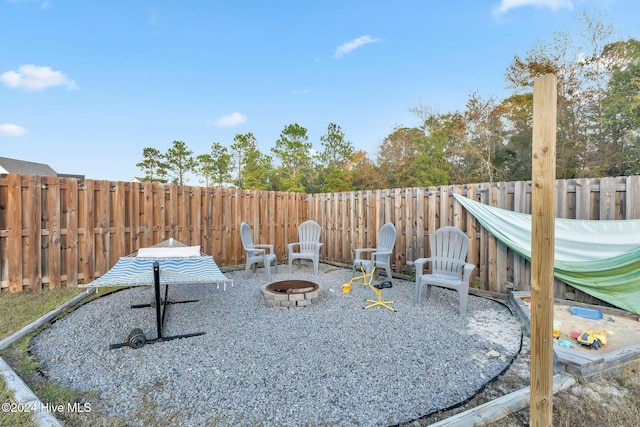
(161, 265)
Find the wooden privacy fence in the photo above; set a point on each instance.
(60, 232)
(352, 219)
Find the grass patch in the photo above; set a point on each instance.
(19, 310)
(16, 419)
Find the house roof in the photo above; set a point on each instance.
(22, 167)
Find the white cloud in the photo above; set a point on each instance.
(32, 77)
(506, 5)
(230, 120)
(9, 129)
(353, 45)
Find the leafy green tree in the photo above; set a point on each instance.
(517, 112)
(397, 157)
(180, 161)
(242, 144)
(293, 151)
(433, 157)
(366, 174)
(153, 165)
(215, 166)
(558, 58)
(256, 170)
(621, 109)
(335, 160)
(483, 146)
(586, 145)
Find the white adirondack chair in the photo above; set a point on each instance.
(257, 254)
(308, 245)
(380, 256)
(449, 247)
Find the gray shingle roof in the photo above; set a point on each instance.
(22, 167)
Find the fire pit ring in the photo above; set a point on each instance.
(290, 293)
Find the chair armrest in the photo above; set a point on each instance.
(359, 251)
(466, 272)
(270, 247)
(256, 251)
(380, 253)
(292, 245)
(419, 264)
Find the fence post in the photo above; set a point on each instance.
(542, 248)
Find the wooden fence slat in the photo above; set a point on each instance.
(119, 205)
(13, 257)
(583, 198)
(607, 198)
(632, 192)
(148, 215)
(72, 234)
(33, 226)
(418, 226)
(53, 228)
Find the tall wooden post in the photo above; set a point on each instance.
(542, 248)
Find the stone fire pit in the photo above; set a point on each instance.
(290, 293)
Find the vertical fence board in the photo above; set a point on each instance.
(119, 208)
(72, 234)
(88, 252)
(607, 198)
(418, 225)
(494, 266)
(33, 226)
(409, 226)
(104, 232)
(134, 215)
(207, 224)
(632, 202)
(474, 242)
(53, 228)
(583, 198)
(520, 271)
(196, 220)
(13, 257)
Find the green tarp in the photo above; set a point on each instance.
(600, 258)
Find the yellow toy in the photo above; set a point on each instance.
(367, 279)
(346, 288)
(377, 288)
(593, 338)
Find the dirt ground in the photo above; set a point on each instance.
(621, 331)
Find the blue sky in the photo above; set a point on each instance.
(86, 85)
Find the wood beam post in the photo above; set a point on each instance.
(542, 247)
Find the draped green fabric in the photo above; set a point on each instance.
(600, 258)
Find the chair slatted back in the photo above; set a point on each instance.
(309, 235)
(449, 247)
(247, 241)
(386, 241)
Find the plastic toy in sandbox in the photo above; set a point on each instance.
(593, 338)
